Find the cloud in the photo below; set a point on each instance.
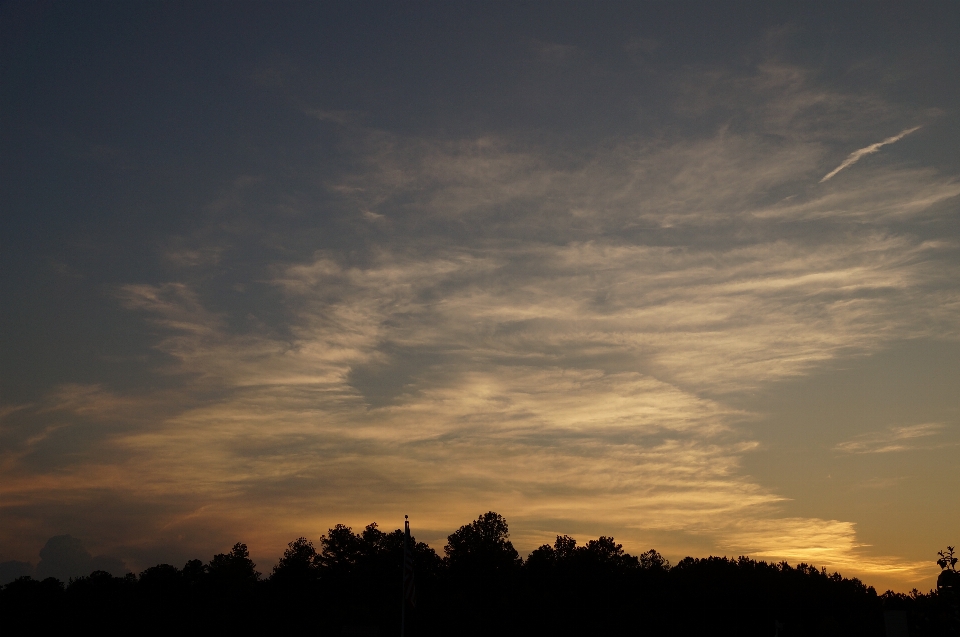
(551, 333)
(64, 556)
(553, 52)
(337, 117)
(855, 156)
(827, 543)
(893, 439)
(186, 257)
(13, 569)
(7, 410)
(510, 413)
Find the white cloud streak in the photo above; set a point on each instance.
(855, 156)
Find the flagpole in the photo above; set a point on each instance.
(403, 583)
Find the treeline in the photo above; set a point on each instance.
(350, 584)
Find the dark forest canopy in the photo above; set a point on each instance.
(350, 584)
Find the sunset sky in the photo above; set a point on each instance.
(686, 274)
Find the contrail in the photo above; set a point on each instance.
(855, 156)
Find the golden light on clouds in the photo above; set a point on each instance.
(580, 336)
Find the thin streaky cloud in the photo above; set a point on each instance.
(6, 410)
(855, 156)
(893, 439)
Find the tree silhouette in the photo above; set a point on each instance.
(163, 582)
(482, 548)
(482, 569)
(340, 549)
(194, 574)
(481, 586)
(234, 570)
(605, 553)
(298, 566)
(654, 561)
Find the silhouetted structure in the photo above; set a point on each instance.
(481, 586)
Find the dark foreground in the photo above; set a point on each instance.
(352, 586)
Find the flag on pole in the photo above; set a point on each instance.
(409, 588)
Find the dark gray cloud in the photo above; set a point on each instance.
(13, 569)
(64, 557)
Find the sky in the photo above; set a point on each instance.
(685, 274)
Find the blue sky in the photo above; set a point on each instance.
(683, 275)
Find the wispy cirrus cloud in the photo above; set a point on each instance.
(550, 333)
(891, 440)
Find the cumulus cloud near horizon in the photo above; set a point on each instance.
(62, 557)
